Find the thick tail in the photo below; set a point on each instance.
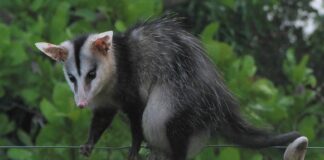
(297, 149)
(240, 132)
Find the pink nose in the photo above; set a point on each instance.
(82, 103)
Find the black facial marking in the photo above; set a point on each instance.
(74, 81)
(92, 73)
(72, 78)
(78, 43)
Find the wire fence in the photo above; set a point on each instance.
(127, 147)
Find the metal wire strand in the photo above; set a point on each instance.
(127, 147)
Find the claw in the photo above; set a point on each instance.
(133, 155)
(132, 158)
(86, 149)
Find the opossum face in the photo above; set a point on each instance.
(89, 64)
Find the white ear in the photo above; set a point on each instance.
(55, 52)
(102, 42)
(108, 33)
(106, 36)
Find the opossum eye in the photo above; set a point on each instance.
(71, 78)
(92, 74)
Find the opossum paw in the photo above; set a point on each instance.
(86, 149)
(133, 158)
(133, 155)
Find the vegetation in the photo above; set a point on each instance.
(275, 71)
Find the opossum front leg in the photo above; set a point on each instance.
(135, 118)
(101, 119)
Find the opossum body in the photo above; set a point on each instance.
(160, 76)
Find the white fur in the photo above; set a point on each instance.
(105, 78)
(42, 46)
(144, 90)
(86, 48)
(156, 114)
(69, 46)
(197, 142)
(101, 85)
(94, 37)
(297, 149)
(107, 33)
(70, 61)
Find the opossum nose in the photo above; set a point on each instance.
(82, 103)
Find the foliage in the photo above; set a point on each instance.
(37, 108)
(284, 108)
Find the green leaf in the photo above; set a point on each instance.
(6, 126)
(88, 15)
(36, 5)
(120, 26)
(290, 56)
(80, 26)
(264, 87)
(17, 54)
(20, 154)
(49, 135)
(38, 27)
(220, 52)
(48, 110)
(307, 127)
(29, 95)
(300, 71)
(5, 35)
(2, 91)
(285, 101)
(116, 156)
(257, 157)
(209, 31)
(5, 142)
(311, 81)
(24, 137)
(278, 113)
(229, 154)
(138, 9)
(206, 153)
(59, 22)
(62, 97)
(248, 66)
(229, 3)
(321, 156)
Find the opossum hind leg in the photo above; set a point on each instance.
(155, 117)
(184, 140)
(158, 155)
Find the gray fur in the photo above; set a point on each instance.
(297, 149)
(97, 90)
(189, 89)
(160, 76)
(156, 114)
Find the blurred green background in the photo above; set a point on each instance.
(270, 53)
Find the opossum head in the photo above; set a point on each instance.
(88, 64)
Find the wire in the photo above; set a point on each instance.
(238, 146)
(63, 147)
(127, 147)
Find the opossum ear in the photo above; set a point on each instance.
(55, 52)
(102, 42)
